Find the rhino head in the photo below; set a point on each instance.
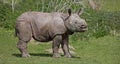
(74, 23)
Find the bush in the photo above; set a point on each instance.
(3, 14)
(101, 23)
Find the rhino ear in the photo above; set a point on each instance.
(69, 12)
(80, 11)
(66, 16)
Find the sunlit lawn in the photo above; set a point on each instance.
(110, 5)
(105, 50)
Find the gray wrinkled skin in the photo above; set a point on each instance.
(46, 27)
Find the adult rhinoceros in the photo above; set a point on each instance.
(46, 27)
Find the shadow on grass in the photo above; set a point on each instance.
(17, 55)
(76, 57)
(34, 54)
(42, 55)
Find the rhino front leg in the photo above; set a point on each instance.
(22, 46)
(65, 46)
(55, 46)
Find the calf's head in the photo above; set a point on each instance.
(74, 23)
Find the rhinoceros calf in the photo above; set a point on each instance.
(46, 27)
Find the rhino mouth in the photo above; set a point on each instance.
(83, 28)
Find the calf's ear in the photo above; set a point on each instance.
(66, 16)
(69, 12)
(80, 11)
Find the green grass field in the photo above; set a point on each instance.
(105, 50)
(110, 5)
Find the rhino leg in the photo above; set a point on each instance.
(22, 46)
(55, 46)
(65, 46)
(24, 34)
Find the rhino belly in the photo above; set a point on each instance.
(42, 38)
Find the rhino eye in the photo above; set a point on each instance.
(75, 22)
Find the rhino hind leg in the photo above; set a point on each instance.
(22, 46)
(24, 34)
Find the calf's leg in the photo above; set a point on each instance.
(65, 46)
(55, 46)
(22, 46)
(24, 34)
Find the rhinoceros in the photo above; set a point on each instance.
(44, 27)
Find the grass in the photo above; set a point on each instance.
(110, 5)
(105, 50)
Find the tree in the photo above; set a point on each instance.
(94, 5)
(12, 3)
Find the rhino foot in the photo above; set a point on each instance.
(56, 55)
(25, 55)
(68, 56)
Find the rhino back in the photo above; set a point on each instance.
(44, 25)
(57, 25)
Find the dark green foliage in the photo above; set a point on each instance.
(7, 17)
(101, 23)
(3, 14)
